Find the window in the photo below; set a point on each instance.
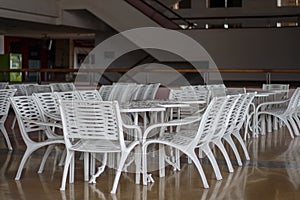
(283, 3)
(224, 3)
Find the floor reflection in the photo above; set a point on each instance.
(272, 173)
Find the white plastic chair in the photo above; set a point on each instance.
(123, 92)
(188, 140)
(62, 87)
(31, 121)
(20, 92)
(20, 89)
(147, 91)
(30, 89)
(281, 93)
(202, 94)
(190, 94)
(69, 95)
(105, 91)
(90, 95)
(4, 108)
(237, 119)
(3, 85)
(235, 91)
(48, 104)
(94, 127)
(284, 110)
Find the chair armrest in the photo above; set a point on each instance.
(54, 117)
(138, 129)
(271, 103)
(43, 123)
(176, 122)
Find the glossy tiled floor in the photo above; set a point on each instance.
(272, 173)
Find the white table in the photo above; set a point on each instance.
(153, 106)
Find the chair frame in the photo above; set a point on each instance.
(92, 137)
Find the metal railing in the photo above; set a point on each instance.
(49, 75)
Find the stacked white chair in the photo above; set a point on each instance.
(123, 92)
(48, 104)
(94, 127)
(90, 95)
(4, 108)
(3, 85)
(21, 91)
(236, 121)
(105, 91)
(281, 93)
(201, 94)
(284, 110)
(234, 91)
(189, 140)
(31, 120)
(62, 87)
(147, 91)
(69, 95)
(30, 89)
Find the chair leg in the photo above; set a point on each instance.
(14, 122)
(23, 161)
(46, 155)
(69, 157)
(233, 147)
(206, 149)
(144, 164)
(289, 128)
(194, 158)
(62, 158)
(92, 163)
(275, 123)
(72, 169)
(3, 130)
(86, 166)
(239, 138)
(294, 126)
(119, 170)
(296, 118)
(100, 169)
(225, 154)
(269, 123)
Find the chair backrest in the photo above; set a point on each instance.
(3, 85)
(91, 120)
(217, 92)
(26, 111)
(233, 91)
(70, 95)
(209, 121)
(151, 91)
(215, 86)
(5, 103)
(284, 88)
(48, 104)
(147, 91)
(294, 101)
(225, 115)
(105, 91)
(123, 92)
(62, 87)
(238, 115)
(275, 86)
(30, 89)
(183, 95)
(20, 89)
(90, 95)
